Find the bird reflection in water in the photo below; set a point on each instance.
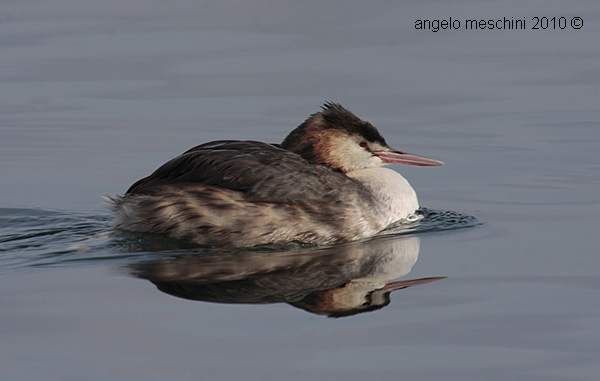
(335, 281)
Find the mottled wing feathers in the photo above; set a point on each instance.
(263, 172)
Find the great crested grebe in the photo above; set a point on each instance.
(323, 184)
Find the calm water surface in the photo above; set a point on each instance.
(499, 280)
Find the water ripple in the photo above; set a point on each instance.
(37, 237)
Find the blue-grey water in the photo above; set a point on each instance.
(498, 281)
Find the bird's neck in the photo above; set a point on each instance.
(393, 196)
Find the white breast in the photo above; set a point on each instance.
(395, 198)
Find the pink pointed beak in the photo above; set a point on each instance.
(397, 157)
(391, 286)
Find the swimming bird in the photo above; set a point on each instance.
(325, 183)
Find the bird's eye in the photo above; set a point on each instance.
(363, 144)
